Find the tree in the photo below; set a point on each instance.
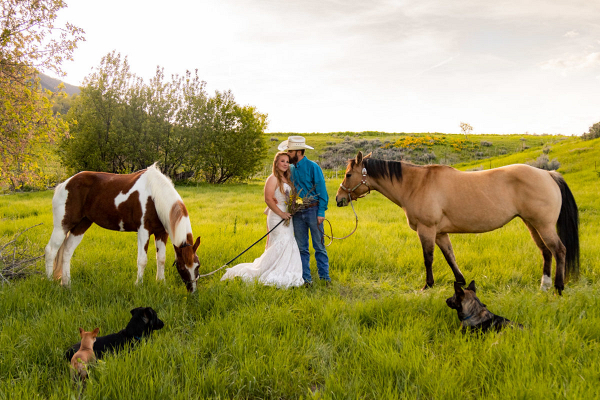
(593, 133)
(466, 129)
(29, 41)
(121, 124)
(95, 141)
(232, 141)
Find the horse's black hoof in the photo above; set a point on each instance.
(427, 286)
(560, 290)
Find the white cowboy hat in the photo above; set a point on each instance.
(294, 143)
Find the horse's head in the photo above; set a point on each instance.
(354, 184)
(187, 263)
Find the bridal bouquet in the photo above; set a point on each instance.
(295, 202)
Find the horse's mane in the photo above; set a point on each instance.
(169, 206)
(381, 168)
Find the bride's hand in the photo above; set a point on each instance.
(286, 215)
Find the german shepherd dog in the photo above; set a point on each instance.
(143, 321)
(472, 313)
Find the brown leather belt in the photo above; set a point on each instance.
(316, 203)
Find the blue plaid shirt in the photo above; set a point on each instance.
(305, 175)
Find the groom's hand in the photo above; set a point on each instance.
(320, 220)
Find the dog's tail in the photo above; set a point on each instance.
(568, 227)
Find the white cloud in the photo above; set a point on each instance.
(573, 62)
(571, 34)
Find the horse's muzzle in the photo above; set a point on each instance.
(343, 202)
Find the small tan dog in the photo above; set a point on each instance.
(85, 355)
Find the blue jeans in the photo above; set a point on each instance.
(303, 222)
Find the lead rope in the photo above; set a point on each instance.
(236, 257)
(331, 237)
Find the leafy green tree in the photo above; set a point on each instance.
(593, 133)
(231, 144)
(96, 119)
(29, 40)
(121, 124)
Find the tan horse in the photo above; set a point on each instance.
(439, 200)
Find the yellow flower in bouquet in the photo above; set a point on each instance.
(295, 202)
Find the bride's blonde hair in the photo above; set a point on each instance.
(278, 174)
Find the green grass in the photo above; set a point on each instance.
(373, 335)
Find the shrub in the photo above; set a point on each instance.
(486, 143)
(546, 149)
(593, 133)
(543, 162)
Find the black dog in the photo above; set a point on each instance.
(143, 321)
(472, 313)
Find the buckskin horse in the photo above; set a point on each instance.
(438, 200)
(144, 202)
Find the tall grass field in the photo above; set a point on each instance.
(372, 335)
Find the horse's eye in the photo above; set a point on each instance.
(348, 175)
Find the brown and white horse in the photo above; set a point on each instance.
(144, 202)
(439, 200)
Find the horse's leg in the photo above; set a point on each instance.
(142, 258)
(443, 242)
(558, 250)
(160, 241)
(546, 254)
(73, 239)
(57, 239)
(427, 237)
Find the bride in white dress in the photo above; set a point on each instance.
(280, 264)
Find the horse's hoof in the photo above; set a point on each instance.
(560, 290)
(427, 286)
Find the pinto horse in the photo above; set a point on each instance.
(144, 202)
(438, 200)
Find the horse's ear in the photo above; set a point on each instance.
(95, 332)
(197, 244)
(458, 288)
(177, 250)
(471, 286)
(367, 156)
(81, 331)
(359, 158)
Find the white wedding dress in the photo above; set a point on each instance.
(280, 264)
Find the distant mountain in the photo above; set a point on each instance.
(52, 83)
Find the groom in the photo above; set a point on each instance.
(307, 174)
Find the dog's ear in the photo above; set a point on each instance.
(147, 315)
(472, 287)
(95, 332)
(136, 310)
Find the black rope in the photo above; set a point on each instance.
(236, 257)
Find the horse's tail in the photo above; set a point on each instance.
(568, 226)
(58, 260)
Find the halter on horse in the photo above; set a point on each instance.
(144, 202)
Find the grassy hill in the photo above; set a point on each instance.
(373, 335)
(419, 148)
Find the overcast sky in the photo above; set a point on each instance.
(396, 66)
